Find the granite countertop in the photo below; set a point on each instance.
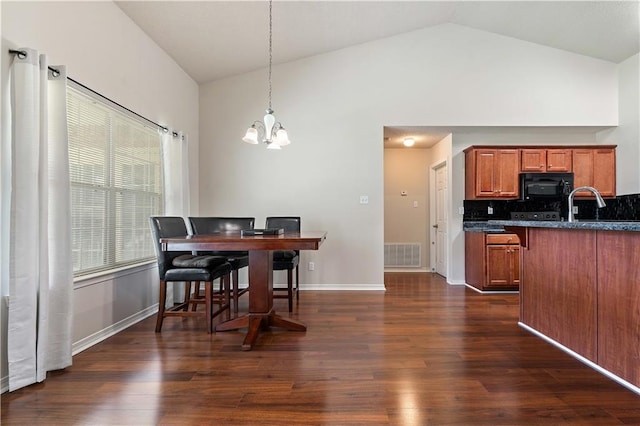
(600, 225)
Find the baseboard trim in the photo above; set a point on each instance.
(582, 359)
(477, 290)
(98, 337)
(344, 287)
(113, 329)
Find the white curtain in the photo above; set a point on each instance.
(175, 162)
(175, 158)
(40, 269)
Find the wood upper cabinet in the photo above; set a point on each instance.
(595, 167)
(492, 173)
(540, 160)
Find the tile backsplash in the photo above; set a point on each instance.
(624, 207)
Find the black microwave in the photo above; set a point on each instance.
(548, 186)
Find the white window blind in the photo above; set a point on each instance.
(116, 184)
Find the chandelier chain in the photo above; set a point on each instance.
(270, 49)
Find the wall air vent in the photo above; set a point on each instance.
(402, 255)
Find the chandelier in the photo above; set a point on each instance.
(268, 130)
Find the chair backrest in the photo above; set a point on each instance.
(167, 227)
(288, 223)
(210, 225)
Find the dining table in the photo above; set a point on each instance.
(261, 314)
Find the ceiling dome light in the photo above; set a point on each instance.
(408, 141)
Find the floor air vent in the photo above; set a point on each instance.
(402, 254)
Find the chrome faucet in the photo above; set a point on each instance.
(599, 200)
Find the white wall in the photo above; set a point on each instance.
(104, 50)
(627, 134)
(335, 107)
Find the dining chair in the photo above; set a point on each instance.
(182, 266)
(286, 259)
(237, 259)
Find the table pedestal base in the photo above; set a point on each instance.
(257, 322)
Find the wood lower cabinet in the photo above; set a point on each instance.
(581, 288)
(558, 291)
(492, 261)
(492, 173)
(618, 295)
(595, 167)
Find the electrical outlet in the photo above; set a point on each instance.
(489, 210)
(460, 210)
(312, 266)
(575, 209)
(364, 199)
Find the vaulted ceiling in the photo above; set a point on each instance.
(216, 39)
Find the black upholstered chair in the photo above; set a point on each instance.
(237, 259)
(286, 259)
(186, 267)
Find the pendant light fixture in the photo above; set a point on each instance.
(269, 130)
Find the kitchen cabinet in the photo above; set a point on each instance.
(541, 160)
(492, 261)
(581, 289)
(595, 167)
(492, 173)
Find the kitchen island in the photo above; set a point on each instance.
(580, 290)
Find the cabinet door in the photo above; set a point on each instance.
(582, 170)
(508, 171)
(503, 265)
(597, 168)
(533, 160)
(498, 268)
(604, 172)
(559, 160)
(487, 163)
(515, 264)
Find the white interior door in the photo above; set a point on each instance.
(441, 220)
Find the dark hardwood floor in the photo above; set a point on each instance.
(421, 353)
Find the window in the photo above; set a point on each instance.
(115, 168)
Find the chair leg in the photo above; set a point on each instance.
(236, 289)
(290, 288)
(187, 295)
(196, 297)
(208, 295)
(161, 303)
(297, 283)
(225, 282)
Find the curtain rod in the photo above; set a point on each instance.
(23, 54)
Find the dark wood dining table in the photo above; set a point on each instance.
(261, 314)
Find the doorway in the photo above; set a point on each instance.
(439, 194)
